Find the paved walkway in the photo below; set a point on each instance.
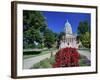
(28, 63)
(85, 53)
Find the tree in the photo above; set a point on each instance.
(34, 24)
(49, 38)
(34, 18)
(83, 27)
(84, 34)
(86, 39)
(61, 35)
(59, 38)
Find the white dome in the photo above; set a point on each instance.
(68, 28)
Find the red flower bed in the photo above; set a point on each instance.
(66, 57)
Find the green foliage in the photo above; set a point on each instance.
(52, 60)
(49, 38)
(61, 35)
(47, 63)
(34, 25)
(31, 52)
(34, 18)
(84, 34)
(85, 39)
(35, 30)
(83, 27)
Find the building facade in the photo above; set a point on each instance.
(69, 39)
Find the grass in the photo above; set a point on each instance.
(84, 61)
(47, 63)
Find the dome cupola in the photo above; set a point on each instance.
(68, 28)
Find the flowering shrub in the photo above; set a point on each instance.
(66, 57)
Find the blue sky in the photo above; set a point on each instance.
(56, 20)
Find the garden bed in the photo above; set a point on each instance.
(47, 63)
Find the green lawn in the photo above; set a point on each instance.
(47, 63)
(84, 61)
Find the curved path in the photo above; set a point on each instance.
(28, 63)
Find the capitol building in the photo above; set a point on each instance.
(69, 39)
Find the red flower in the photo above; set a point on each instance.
(66, 57)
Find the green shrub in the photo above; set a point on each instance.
(31, 52)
